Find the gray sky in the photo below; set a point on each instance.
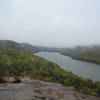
(59, 23)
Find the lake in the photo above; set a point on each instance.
(80, 68)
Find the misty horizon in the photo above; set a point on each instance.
(51, 23)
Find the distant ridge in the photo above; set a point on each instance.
(10, 44)
(30, 48)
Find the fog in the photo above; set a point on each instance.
(54, 23)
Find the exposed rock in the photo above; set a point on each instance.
(31, 89)
(10, 80)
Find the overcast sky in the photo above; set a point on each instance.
(59, 23)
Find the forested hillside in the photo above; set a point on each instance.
(15, 61)
(86, 53)
(30, 48)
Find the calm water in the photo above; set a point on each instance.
(80, 68)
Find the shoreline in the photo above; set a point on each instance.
(76, 58)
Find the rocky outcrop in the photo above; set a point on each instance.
(30, 89)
